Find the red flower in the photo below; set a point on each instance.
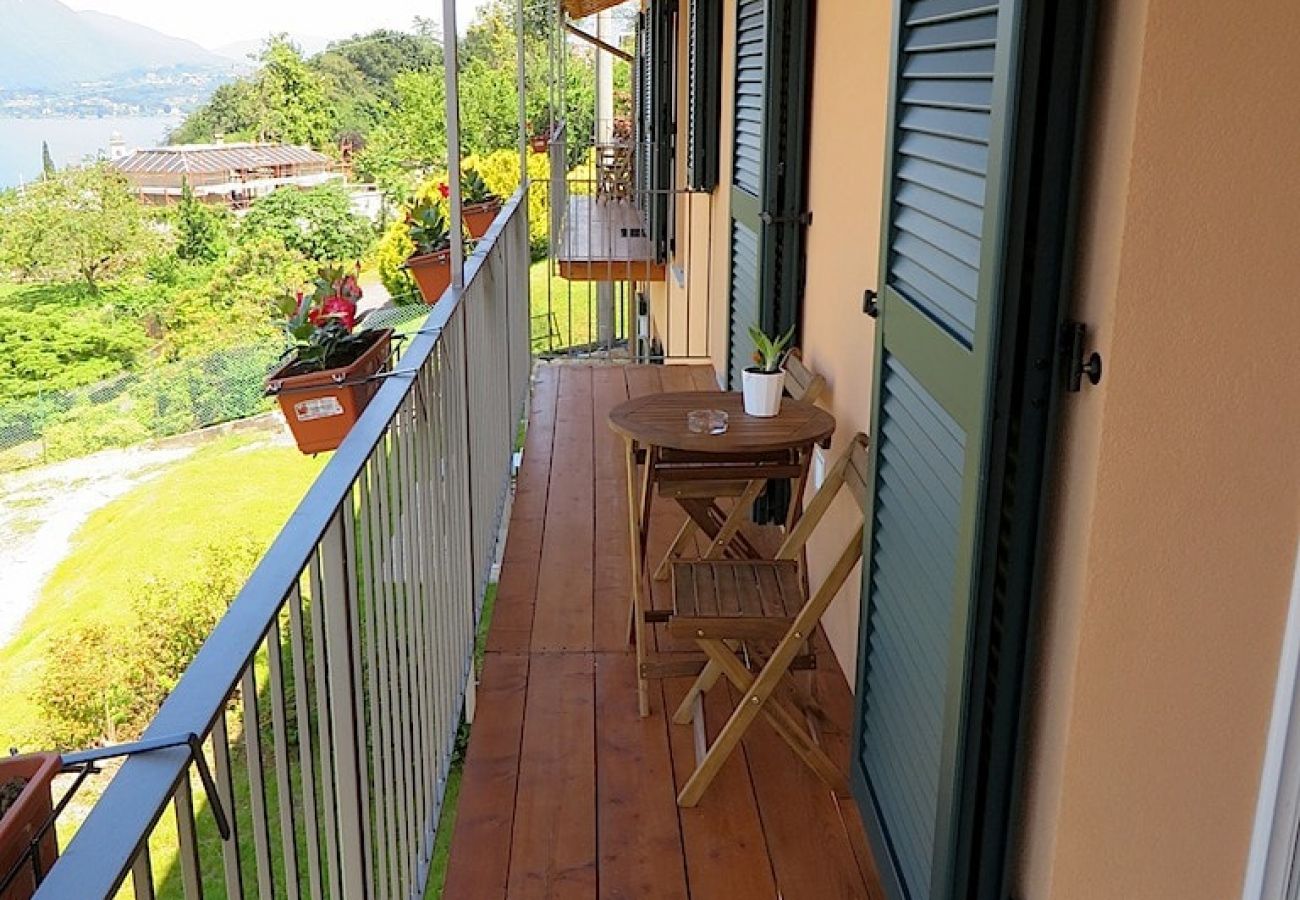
(444, 189)
(338, 308)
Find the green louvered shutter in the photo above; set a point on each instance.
(953, 120)
(768, 185)
(704, 87)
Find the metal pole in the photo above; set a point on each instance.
(451, 75)
(522, 79)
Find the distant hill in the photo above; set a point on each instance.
(45, 44)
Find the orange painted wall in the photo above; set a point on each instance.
(1178, 506)
(846, 153)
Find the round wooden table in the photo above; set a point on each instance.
(696, 469)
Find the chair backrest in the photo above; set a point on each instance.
(801, 382)
(849, 471)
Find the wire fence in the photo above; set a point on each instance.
(158, 402)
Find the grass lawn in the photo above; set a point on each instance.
(567, 316)
(227, 490)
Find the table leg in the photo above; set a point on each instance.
(637, 552)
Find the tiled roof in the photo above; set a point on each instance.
(208, 158)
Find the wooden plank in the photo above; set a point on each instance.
(611, 567)
(479, 861)
(795, 803)
(726, 852)
(535, 471)
(640, 841)
(704, 377)
(512, 618)
(553, 849)
(563, 617)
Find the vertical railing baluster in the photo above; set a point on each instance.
(256, 782)
(348, 516)
(283, 773)
(374, 686)
(396, 810)
(230, 861)
(187, 841)
(142, 874)
(324, 713)
(402, 629)
(421, 476)
(306, 758)
(343, 727)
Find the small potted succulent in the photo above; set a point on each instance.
(26, 804)
(430, 232)
(481, 205)
(764, 382)
(324, 387)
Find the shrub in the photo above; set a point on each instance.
(318, 223)
(89, 428)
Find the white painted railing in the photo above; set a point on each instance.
(328, 698)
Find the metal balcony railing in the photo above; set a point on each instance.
(328, 698)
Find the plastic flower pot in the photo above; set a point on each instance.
(762, 392)
(432, 273)
(321, 407)
(480, 216)
(23, 820)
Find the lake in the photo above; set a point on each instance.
(71, 140)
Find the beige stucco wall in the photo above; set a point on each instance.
(1177, 510)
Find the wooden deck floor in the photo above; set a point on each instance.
(567, 793)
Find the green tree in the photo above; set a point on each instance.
(231, 112)
(47, 161)
(200, 229)
(413, 138)
(318, 223)
(82, 223)
(291, 96)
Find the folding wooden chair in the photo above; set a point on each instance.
(762, 608)
(801, 383)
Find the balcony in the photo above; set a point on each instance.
(567, 792)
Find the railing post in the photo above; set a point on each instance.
(342, 701)
(451, 78)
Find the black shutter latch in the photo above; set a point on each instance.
(1077, 364)
(871, 303)
(767, 218)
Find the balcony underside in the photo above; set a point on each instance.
(567, 793)
(604, 239)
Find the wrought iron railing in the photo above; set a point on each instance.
(329, 697)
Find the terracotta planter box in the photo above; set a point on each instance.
(322, 407)
(20, 824)
(480, 216)
(540, 144)
(432, 273)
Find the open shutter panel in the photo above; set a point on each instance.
(942, 258)
(704, 76)
(747, 181)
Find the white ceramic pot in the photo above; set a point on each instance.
(762, 392)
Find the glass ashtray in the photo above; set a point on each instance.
(706, 421)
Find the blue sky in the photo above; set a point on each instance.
(240, 20)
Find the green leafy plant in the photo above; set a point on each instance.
(474, 189)
(321, 323)
(769, 353)
(427, 226)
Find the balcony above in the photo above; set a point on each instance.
(606, 239)
(567, 792)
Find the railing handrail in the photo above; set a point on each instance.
(100, 854)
